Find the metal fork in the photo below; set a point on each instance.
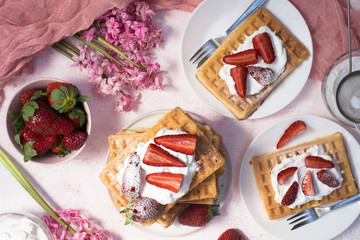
(208, 48)
(310, 215)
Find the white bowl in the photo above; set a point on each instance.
(23, 223)
(15, 106)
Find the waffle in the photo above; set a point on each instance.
(262, 165)
(208, 73)
(207, 156)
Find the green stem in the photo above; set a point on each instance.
(99, 49)
(60, 50)
(118, 51)
(70, 47)
(9, 165)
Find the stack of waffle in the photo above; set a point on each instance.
(209, 156)
(262, 165)
(208, 73)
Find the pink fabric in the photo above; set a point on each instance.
(327, 21)
(28, 27)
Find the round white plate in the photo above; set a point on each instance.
(211, 18)
(328, 226)
(176, 229)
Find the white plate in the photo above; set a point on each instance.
(212, 17)
(176, 229)
(329, 225)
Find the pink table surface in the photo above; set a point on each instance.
(76, 185)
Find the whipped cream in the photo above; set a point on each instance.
(16, 226)
(278, 66)
(163, 196)
(321, 189)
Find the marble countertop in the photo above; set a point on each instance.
(75, 184)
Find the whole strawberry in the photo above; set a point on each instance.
(231, 234)
(63, 97)
(74, 141)
(42, 119)
(26, 95)
(141, 209)
(196, 215)
(34, 144)
(63, 126)
(130, 185)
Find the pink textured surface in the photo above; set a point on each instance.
(76, 185)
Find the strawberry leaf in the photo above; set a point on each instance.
(59, 95)
(19, 124)
(83, 99)
(29, 151)
(28, 110)
(37, 95)
(14, 114)
(18, 140)
(74, 91)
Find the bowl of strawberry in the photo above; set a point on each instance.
(49, 121)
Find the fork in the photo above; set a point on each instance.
(311, 214)
(208, 48)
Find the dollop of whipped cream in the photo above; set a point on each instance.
(321, 189)
(278, 66)
(162, 195)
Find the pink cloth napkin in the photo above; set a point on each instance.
(327, 21)
(28, 27)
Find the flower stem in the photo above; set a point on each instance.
(70, 47)
(98, 48)
(60, 50)
(9, 165)
(118, 51)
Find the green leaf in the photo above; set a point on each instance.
(19, 124)
(33, 104)
(58, 95)
(14, 114)
(37, 95)
(57, 107)
(74, 91)
(29, 151)
(18, 140)
(83, 99)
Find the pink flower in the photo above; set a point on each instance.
(89, 34)
(79, 62)
(139, 29)
(112, 27)
(143, 10)
(126, 103)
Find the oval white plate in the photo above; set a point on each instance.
(328, 226)
(176, 229)
(211, 18)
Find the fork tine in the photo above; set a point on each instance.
(301, 218)
(205, 58)
(299, 214)
(200, 50)
(205, 51)
(302, 223)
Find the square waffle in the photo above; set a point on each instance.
(208, 73)
(262, 165)
(207, 156)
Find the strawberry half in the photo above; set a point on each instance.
(243, 58)
(285, 174)
(166, 180)
(307, 185)
(183, 143)
(263, 44)
(293, 130)
(318, 162)
(141, 209)
(156, 156)
(231, 234)
(130, 183)
(264, 76)
(290, 195)
(239, 74)
(326, 178)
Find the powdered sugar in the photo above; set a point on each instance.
(130, 186)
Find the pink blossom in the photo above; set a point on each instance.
(112, 27)
(89, 34)
(143, 10)
(139, 29)
(126, 103)
(79, 62)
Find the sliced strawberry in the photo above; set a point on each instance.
(307, 185)
(156, 156)
(285, 174)
(318, 162)
(264, 76)
(183, 143)
(243, 58)
(293, 130)
(262, 43)
(239, 74)
(326, 178)
(290, 195)
(167, 180)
